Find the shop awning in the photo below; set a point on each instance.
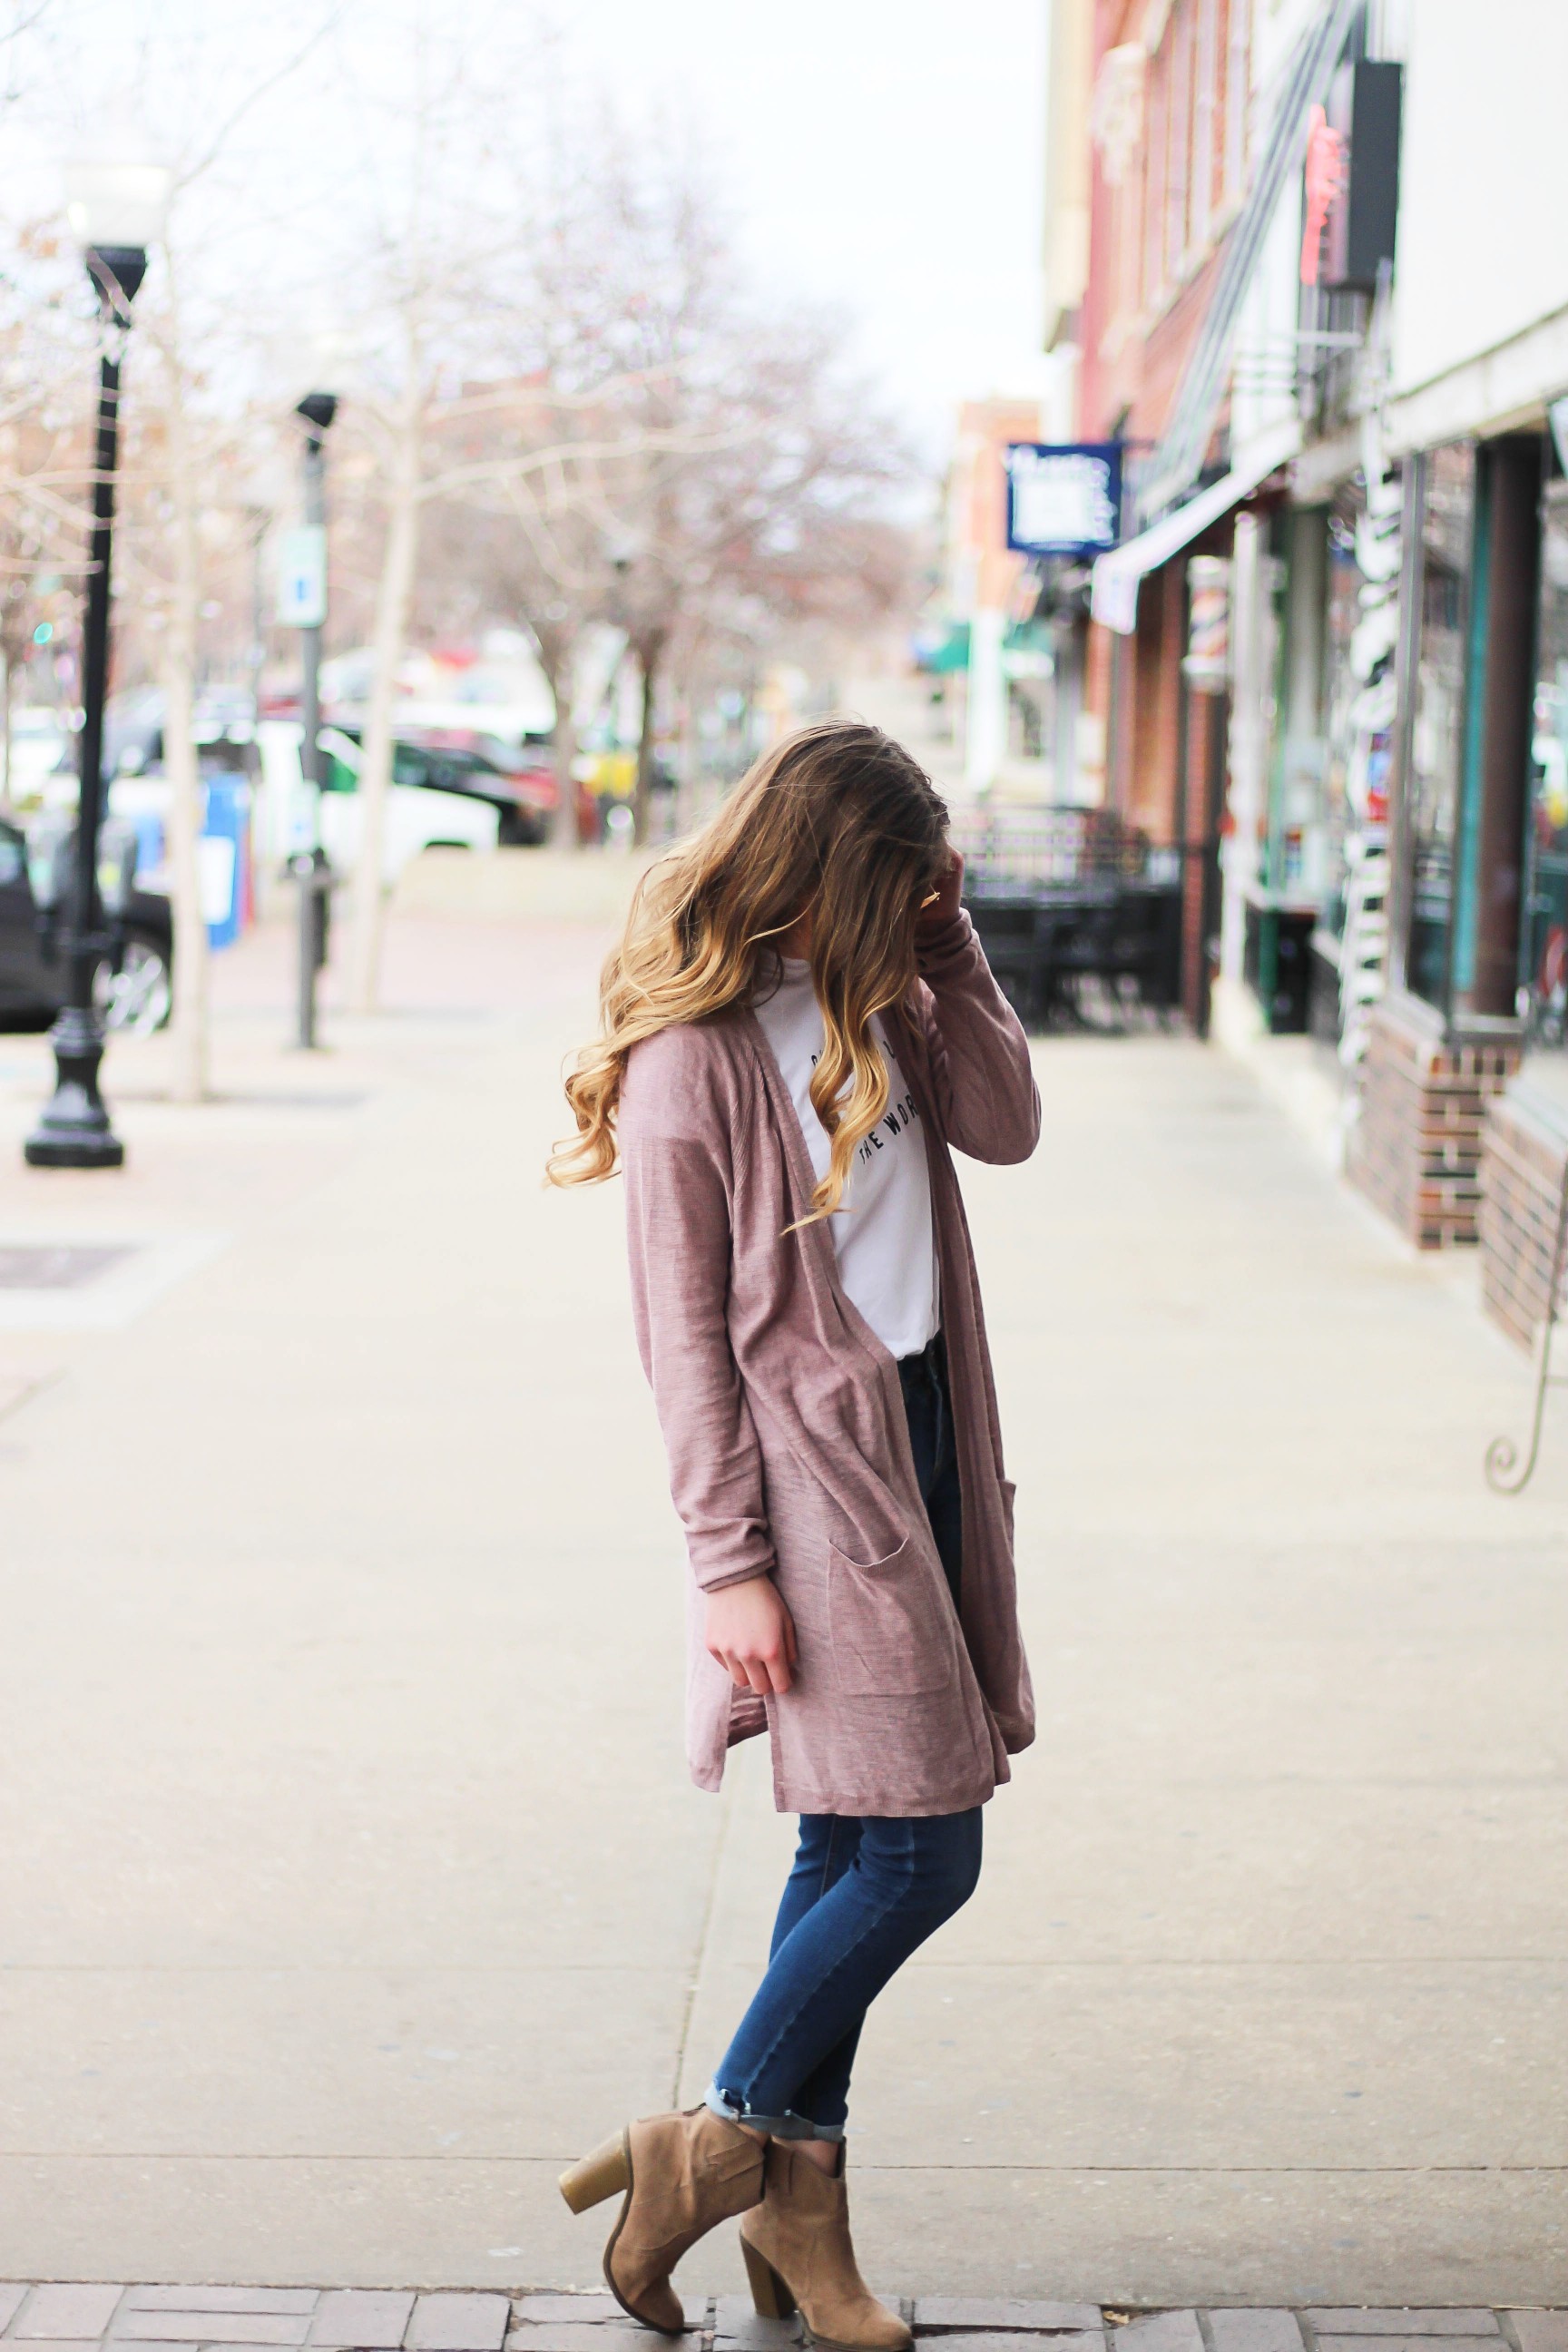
(949, 652)
(1114, 594)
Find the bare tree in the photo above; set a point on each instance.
(751, 475)
(43, 483)
(553, 339)
(172, 454)
(705, 472)
(440, 228)
(185, 422)
(530, 508)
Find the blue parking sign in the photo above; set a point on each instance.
(303, 577)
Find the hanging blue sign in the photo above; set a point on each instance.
(1064, 497)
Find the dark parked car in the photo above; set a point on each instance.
(133, 984)
(520, 786)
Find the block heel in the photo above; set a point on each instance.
(677, 2176)
(599, 2176)
(803, 2226)
(770, 2294)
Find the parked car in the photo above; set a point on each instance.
(418, 816)
(133, 985)
(517, 776)
(522, 794)
(532, 769)
(518, 780)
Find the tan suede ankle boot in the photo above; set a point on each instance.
(681, 2175)
(798, 2253)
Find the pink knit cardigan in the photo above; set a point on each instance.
(783, 1418)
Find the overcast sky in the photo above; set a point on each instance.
(881, 156)
(885, 155)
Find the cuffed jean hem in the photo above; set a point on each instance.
(784, 2127)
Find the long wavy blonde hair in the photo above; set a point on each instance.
(838, 821)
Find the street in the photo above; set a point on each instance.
(353, 1879)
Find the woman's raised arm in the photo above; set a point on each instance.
(980, 1066)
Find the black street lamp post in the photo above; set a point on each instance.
(74, 1130)
(311, 869)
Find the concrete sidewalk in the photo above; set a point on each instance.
(246, 2319)
(349, 1879)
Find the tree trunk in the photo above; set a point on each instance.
(393, 594)
(688, 791)
(562, 676)
(177, 665)
(191, 1072)
(650, 652)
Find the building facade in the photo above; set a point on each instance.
(1322, 307)
(1187, 336)
(1007, 709)
(1463, 1127)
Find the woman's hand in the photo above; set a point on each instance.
(944, 902)
(751, 1635)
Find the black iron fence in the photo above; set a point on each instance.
(1081, 915)
(1009, 849)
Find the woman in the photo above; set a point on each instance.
(796, 1026)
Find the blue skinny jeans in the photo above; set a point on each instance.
(864, 1891)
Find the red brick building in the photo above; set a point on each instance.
(1166, 91)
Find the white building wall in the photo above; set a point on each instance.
(1483, 253)
(1263, 392)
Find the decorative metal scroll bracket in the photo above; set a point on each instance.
(1503, 1475)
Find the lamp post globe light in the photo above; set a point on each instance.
(116, 210)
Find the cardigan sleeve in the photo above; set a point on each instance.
(981, 1073)
(675, 1149)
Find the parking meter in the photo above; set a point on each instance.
(51, 837)
(316, 879)
(116, 849)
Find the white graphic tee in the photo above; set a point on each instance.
(883, 1233)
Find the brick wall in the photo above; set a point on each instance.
(1524, 1157)
(1157, 229)
(1416, 1151)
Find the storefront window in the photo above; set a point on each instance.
(1546, 934)
(1448, 518)
(1343, 690)
(1298, 854)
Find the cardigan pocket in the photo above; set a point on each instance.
(888, 1631)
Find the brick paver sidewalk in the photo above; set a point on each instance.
(110, 2318)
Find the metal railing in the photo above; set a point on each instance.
(1082, 916)
(1011, 852)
